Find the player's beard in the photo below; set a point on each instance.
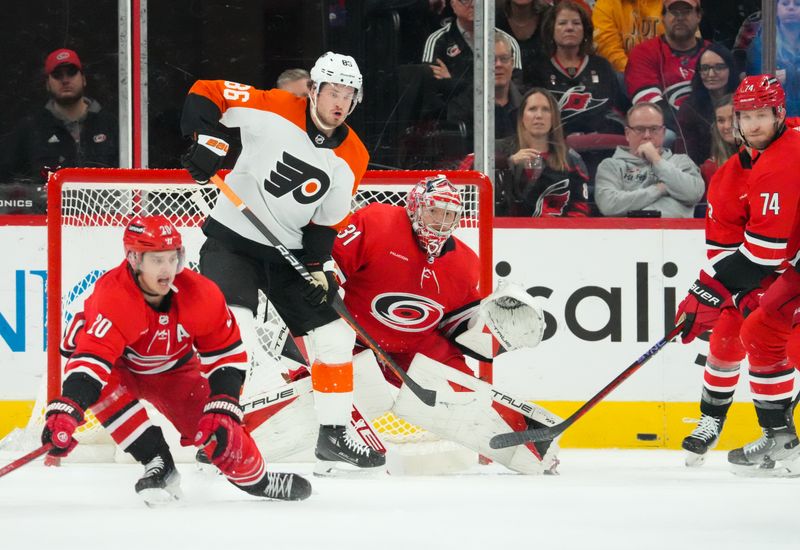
(68, 100)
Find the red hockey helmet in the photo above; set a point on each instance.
(434, 192)
(151, 234)
(759, 92)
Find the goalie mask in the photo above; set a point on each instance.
(434, 208)
(151, 234)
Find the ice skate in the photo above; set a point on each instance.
(280, 486)
(775, 454)
(704, 438)
(338, 452)
(160, 483)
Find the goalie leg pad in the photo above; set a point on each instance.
(468, 418)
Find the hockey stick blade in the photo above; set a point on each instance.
(427, 396)
(33, 455)
(501, 441)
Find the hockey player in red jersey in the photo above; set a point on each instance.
(299, 167)
(771, 238)
(413, 286)
(154, 331)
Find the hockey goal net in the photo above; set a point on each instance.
(88, 209)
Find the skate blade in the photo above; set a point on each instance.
(327, 468)
(156, 497)
(780, 470)
(694, 460)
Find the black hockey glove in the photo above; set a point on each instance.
(325, 285)
(204, 157)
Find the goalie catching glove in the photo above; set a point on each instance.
(513, 317)
(204, 157)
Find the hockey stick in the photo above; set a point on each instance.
(33, 455)
(502, 441)
(427, 396)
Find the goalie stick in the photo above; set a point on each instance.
(33, 455)
(427, 396)
(502, 441)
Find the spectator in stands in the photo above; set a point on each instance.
(522, 19)
(294, 81)
(714, 77)
(723, 142)
(538, 175)
(587, 88)
(71, 130)
(660, 70)
(646, 178)
(507, 98)
(619, 25)
(722, 19)
(449, 53)
(787, 54)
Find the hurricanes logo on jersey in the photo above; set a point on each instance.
(307, 183)
(406, 312)
(577, 100)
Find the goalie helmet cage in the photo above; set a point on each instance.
(88, 209)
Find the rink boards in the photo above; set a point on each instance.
(609, 289)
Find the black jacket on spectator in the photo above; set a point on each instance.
(530, 48)
(553, 194)
(591, 100)
(449, 45)
(42, 142)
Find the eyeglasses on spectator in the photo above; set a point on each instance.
(643, 130)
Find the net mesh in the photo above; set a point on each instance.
(95, 213)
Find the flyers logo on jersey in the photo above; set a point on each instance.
(406, 312)
(307, 183)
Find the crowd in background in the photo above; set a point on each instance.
(604, 107)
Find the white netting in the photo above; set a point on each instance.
(93, 215)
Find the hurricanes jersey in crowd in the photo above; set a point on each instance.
(391, 288)
(587, 96)
(117, 328)
(289, 174)
(655, 72)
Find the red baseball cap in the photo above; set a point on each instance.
(60, 57)
(693, 3)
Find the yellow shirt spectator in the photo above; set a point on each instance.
(619, 25)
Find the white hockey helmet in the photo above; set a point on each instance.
(336, 68)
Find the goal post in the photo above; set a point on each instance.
(89, 208)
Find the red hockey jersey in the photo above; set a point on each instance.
(118, 329)
(391, 288)
(727, 212)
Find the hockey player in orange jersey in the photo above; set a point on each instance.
(298, 170)
(771, 240)
(151, 330)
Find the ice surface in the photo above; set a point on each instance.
(643, 500)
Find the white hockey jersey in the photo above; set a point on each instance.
(289, 174)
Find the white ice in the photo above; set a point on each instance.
(643, 500)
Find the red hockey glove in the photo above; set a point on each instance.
(325, 285)
(749, 301)
(62, 417)
(220, 431)
(700, 309)
(782, 298)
